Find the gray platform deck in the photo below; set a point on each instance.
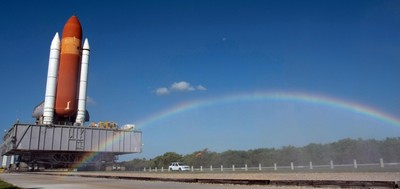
(27, 137)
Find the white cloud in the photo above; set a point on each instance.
(162, 91)
(200, 88)
(181, 86)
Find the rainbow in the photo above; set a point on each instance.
(271, 96)
(103, 146)
(250, 97)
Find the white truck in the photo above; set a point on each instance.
(178, 166)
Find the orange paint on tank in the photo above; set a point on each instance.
(69, 69)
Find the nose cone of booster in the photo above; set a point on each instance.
(72, 28)
(69, 69)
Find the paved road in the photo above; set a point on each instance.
(33, 181)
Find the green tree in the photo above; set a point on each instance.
(341, 152)
(200, 158)
(136, 164)
(391, 149)
(166, 159)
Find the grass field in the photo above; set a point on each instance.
(6, 185)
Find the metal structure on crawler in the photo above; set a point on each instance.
(58, 138)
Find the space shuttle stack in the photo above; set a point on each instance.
(67, 76)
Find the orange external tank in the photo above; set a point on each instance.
(69, 69)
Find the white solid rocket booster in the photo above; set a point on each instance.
(80, 118)
(48, 110)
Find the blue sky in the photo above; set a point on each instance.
(150, 57)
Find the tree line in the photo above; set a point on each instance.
(341, 152)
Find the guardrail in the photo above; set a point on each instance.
(354, 166)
